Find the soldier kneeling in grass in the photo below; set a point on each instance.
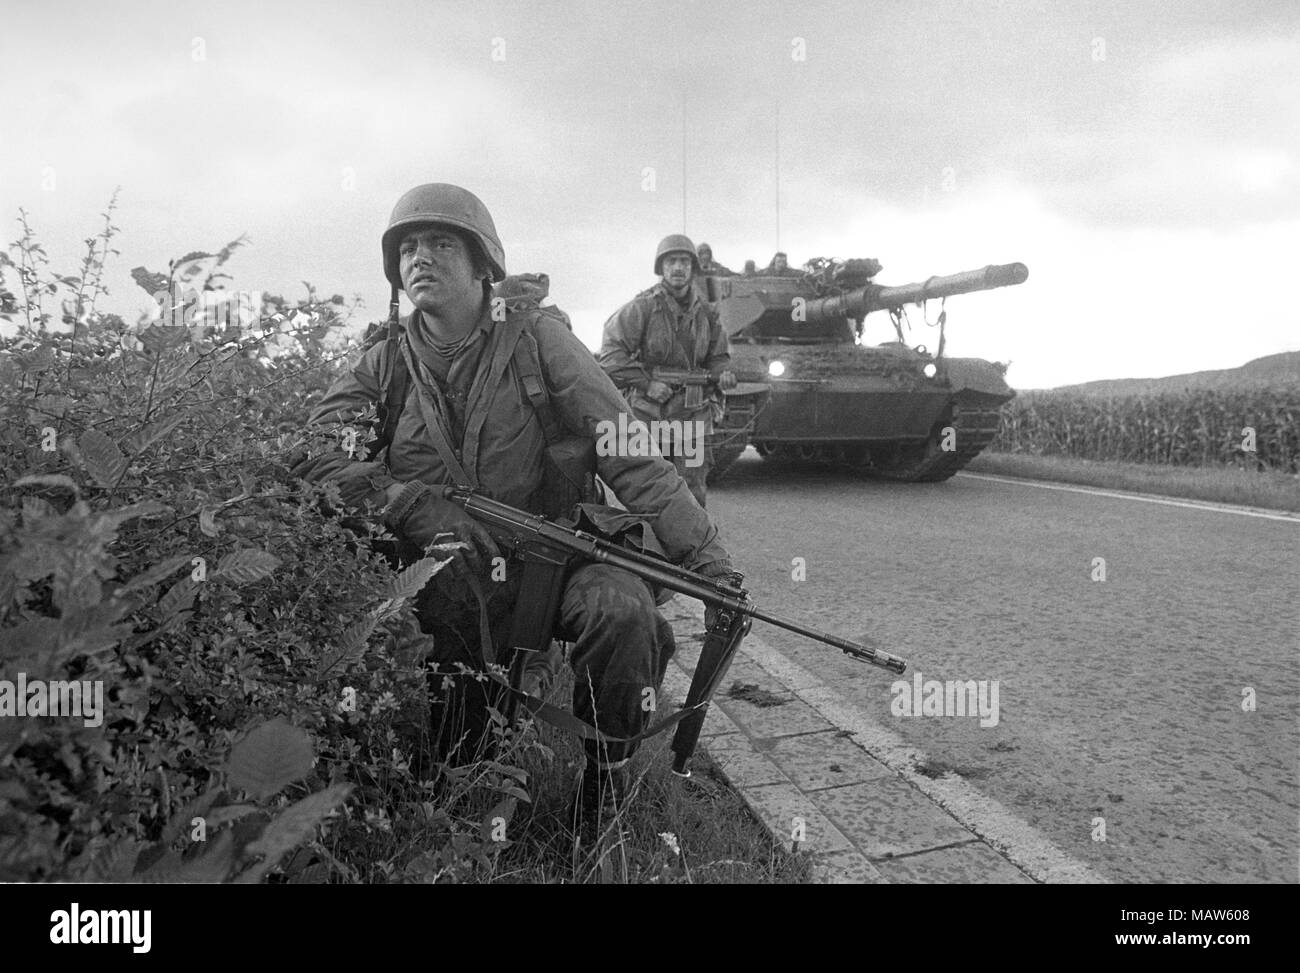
(502, 397)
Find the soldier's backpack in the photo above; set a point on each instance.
(570, 460)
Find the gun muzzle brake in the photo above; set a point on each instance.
(891, 662)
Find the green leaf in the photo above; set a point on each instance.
(151, 282)
(291, 826)
(208, 521)
(116, 863)
(179, 597)
(38, 360)
(154, 431)
(49, 407)
(518, 773)
(270, 758)
(246, 566)
(227, 813)
(155, 574)
(315, 874)
(409, 581)
(50, 480)
(351, 645)
(209, 868)
(101, 457)
(145, 508)
(158, 338)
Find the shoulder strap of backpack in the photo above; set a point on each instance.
(528, 365)
(395, 384)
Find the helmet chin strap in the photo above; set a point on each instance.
(392, 313)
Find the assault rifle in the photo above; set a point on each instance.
(547, 548)
(693, 380)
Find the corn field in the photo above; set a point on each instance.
(1191, 428)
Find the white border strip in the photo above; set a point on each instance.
(1167, 501)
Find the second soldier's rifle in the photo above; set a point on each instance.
(693, 380)
(547, 549)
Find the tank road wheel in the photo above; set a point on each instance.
(974, 419)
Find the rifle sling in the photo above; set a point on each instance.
(454, 467)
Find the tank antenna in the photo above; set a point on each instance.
(776, 151)
(683, 160)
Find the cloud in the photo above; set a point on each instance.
(1204, 137)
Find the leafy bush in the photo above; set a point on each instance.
(153, 541)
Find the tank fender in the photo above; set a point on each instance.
(976, 375)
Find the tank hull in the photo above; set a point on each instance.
(874, 409)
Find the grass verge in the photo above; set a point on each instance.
(673, 831)
(1268, 489)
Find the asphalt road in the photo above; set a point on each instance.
(1119, 699)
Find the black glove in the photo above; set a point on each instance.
(364, 482)
(432, 519)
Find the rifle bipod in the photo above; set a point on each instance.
(721, 640)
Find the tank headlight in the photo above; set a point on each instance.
(776, 369)
(930, 370)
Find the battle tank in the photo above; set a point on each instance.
(811, 392)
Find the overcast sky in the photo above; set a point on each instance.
(1143, 159)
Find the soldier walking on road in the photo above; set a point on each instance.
(488, 392)
(670, 327)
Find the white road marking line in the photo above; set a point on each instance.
(1017, 840)
(1167, 501)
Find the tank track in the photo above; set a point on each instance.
(723, 457)
(731, 436)
(974, 417)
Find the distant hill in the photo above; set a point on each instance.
(1271, 371)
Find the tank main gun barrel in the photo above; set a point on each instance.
(858, 303)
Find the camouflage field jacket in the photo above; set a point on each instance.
(653, 331)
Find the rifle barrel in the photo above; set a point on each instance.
(875, 656)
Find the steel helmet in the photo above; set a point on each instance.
(676, 243)
(441, 202)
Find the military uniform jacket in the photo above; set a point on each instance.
(503, 441)
(653, 331)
